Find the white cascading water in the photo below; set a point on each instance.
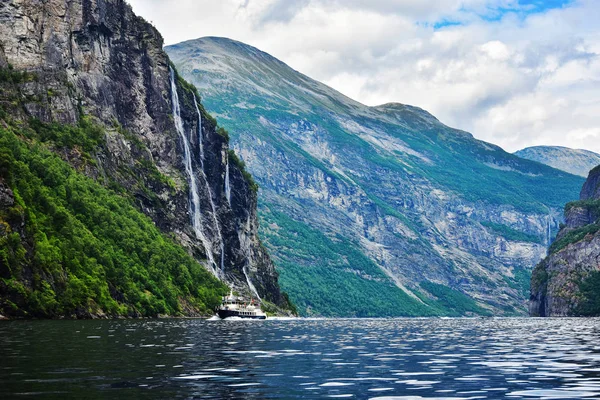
(212, 203)
(250, 285)
(187, 156)
(227, 185)
(179, 123)
(200, 135)
(549, 230)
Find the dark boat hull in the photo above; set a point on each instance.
(232, 313)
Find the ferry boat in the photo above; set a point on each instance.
(233, 306)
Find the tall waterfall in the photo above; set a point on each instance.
(200, 135)
(197, 224)
(209, 191)
(227, 185)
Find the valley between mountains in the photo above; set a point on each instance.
(121, 195)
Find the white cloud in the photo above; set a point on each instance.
(514, 79)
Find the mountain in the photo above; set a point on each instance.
(574, 161)
(119, 194)
(377, 211)
(567, 282)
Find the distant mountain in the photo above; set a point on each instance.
(574, 161)
(373, 211)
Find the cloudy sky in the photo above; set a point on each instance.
(513, 72)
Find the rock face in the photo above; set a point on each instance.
(556, 281)
(355, 198)
(96, 59)
(574, 161)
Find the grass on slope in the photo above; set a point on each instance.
(482, 173)
(331, 277)
(85, 248)
(476, 171)
(455, 302)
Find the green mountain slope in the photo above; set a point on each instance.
(119, 194)
(71, 247)
(347, 190)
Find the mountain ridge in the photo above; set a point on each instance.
(575, 161)
(420, 202)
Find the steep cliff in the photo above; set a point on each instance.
(94, 63)
(574, 161)
(377, 210)
(567, 281)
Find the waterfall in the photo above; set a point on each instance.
(227, 185)
(549, 230)
(187, 157)
(200, 135)
(209, 191)
(194, 196)
(250, 285)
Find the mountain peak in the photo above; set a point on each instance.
(574, 161)
(383, 202)
(405, 109)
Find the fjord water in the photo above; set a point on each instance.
(304, 358)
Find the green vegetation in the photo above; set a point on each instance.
(521, 281)
(593, 206)
(589, 289)
(456, 302)
(511, 234)
(223, 133)
(573, 236)
(339, 281)
(315, 129)
(288, 301)
(84, 249)
(319, 290)
(539, 277)
(12, 76)
(330, 277)
(242, 167)
(86, 135)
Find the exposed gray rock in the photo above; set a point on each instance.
(397, 185)
(7, 198)
(555, 281)
(95, 58)
(574, 161)
(591, 188)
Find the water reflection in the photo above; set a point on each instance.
(372, 358)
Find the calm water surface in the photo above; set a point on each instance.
(360, 358)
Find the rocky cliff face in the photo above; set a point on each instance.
(574, 161)
(95, 59)
(386, 203)
(556, 282)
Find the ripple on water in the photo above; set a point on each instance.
(394, 359)
(333, 384)
(195, 377)
(552, 393)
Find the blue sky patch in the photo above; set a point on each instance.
(523, 9)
